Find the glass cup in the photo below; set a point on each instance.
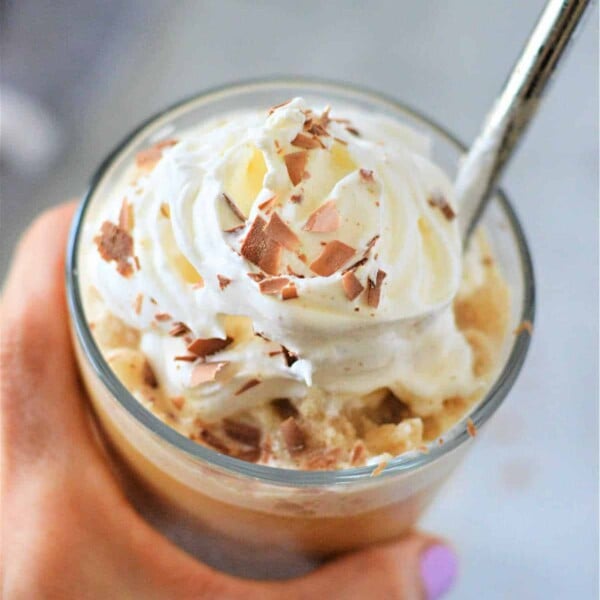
(250, 519)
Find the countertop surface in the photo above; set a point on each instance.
(523, 509)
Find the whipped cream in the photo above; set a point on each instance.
(345, 205)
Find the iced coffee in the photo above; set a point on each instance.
(286, 286)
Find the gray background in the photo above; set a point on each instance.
(522, 511)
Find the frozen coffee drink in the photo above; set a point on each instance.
(285, 289)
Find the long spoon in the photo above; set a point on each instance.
(514, 109)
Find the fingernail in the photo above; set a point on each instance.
(439, 566)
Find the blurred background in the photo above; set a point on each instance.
(77, 75)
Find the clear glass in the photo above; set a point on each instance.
(250, 519)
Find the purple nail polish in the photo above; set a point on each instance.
(438, 570)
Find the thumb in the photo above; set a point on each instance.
(417, 567)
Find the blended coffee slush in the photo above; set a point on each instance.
(288, 287)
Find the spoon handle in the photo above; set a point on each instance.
(514, 109)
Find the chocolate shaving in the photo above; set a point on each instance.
(471, 429)
(248, 385)
(293, 436)
(374, 289)
(205, 372)
(289, 292)
(274, 285)
(137, 305)
(234, 229)
(165, 211)
(162, 316)
(379, 468)
(148, 376)
(315, 128)
(353, 131)
(178, 329)
(147, 159)
(136, 260)
(268, 204)
(212, 440)
(178, 402)
(248, 454)
(322, 458)
(370, 244)
(356, 265)
(207, 346)
(332, 257)
(284, 408)
(317, 125)
(524, 326)
(366, 176)
(274, 108)
(290, 357)
(307, 142)
(186, 358)
(277, 229)
(439, 201)
(223, 281)
(126, 216)
(358, 454)
(324, 220)
(351, 284)
(295, 164)
(256, 276)
(242, 432)
(296, 198)
(166, 143)
(260, 249)
(293, 273)
(114, 243)
(341, 141)
(233, 207)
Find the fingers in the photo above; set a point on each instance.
(40, 405)
(417, 567)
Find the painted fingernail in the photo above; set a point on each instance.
(439, 566)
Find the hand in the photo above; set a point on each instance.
(67, 529)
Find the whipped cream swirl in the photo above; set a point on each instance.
(328, 233)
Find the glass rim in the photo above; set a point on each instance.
(401, 464)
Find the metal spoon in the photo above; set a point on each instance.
(514, 109)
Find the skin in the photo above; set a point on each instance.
(67, 529)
